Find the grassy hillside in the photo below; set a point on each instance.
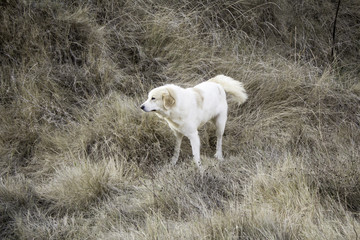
(79, 160)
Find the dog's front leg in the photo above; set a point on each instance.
(195, 145)
(179, 138)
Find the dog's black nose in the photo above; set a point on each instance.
(142, 107)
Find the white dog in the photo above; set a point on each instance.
(185, 110)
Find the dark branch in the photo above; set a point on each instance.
(334, 31)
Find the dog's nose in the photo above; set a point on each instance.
(142, 107)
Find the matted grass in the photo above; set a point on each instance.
(80, 160)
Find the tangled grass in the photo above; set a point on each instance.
(79, 160)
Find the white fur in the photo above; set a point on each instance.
(185, 110)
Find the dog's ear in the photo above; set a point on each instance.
(168, 99)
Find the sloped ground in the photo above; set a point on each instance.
(79, 160)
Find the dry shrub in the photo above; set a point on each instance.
(77, 188)
(84, 185)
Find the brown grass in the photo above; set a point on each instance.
(79, 160)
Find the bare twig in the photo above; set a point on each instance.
(334, 31)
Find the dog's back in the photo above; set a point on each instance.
(212, 99)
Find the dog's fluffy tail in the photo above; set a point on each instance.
(231, 86)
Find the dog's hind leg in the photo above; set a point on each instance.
(179, 138)
(220, 122)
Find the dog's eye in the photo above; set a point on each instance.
(152, 98)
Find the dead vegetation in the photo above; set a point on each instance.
(78, 159)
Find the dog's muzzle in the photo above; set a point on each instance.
(143, 108)
(146, 110)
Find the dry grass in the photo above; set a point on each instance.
(79, 160)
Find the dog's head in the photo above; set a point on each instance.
(160, 99)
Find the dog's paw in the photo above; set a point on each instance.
(201, 171)
(219, 156)
(173, 161)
